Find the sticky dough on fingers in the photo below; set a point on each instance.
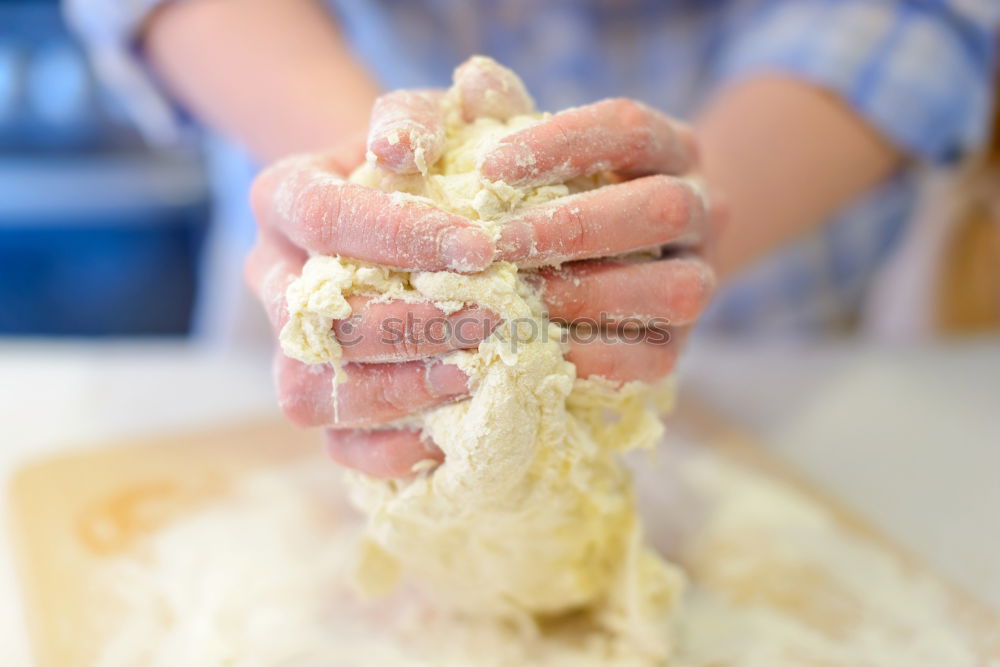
(530, 514)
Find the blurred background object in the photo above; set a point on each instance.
(968, 294)
(102, 235)
(99, 234)
(944, 279)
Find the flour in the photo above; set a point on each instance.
(524, 548)
(530, 516)
(779, 576)
(259, 578)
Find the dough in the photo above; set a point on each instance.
(531, 517)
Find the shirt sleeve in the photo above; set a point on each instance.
(919, 71)
(108, 31)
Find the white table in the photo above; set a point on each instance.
(908, 437)
(911, 438)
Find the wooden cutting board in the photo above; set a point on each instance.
(73, 512)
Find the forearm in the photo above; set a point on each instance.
(274, 75)
(787, 155)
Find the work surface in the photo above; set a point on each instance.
(906, 437)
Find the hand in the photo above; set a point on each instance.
(304, 204)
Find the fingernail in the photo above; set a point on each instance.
(510, 163)
(700, 188)
(447, 380)
(466, 249)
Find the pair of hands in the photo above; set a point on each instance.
(303, 204)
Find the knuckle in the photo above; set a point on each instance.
(387, 401)
(620, 104)
(313, 210)
(276, 181)
(630, 113)
(572, 228)
(308, 203)
(567, 297)
(406, 345)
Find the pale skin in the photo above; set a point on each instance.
(786, 154)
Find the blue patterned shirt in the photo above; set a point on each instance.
(919, 71)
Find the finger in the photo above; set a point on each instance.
(393, 453)
(647, 359)
(377, 331)
(619, 135)
(407, 131)
(272, 264)
(669, 292)
(487, 89)
(306, 200)
(373, 394)
(392, 331)
(389, 453)
(376, 394)
(644, 213)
